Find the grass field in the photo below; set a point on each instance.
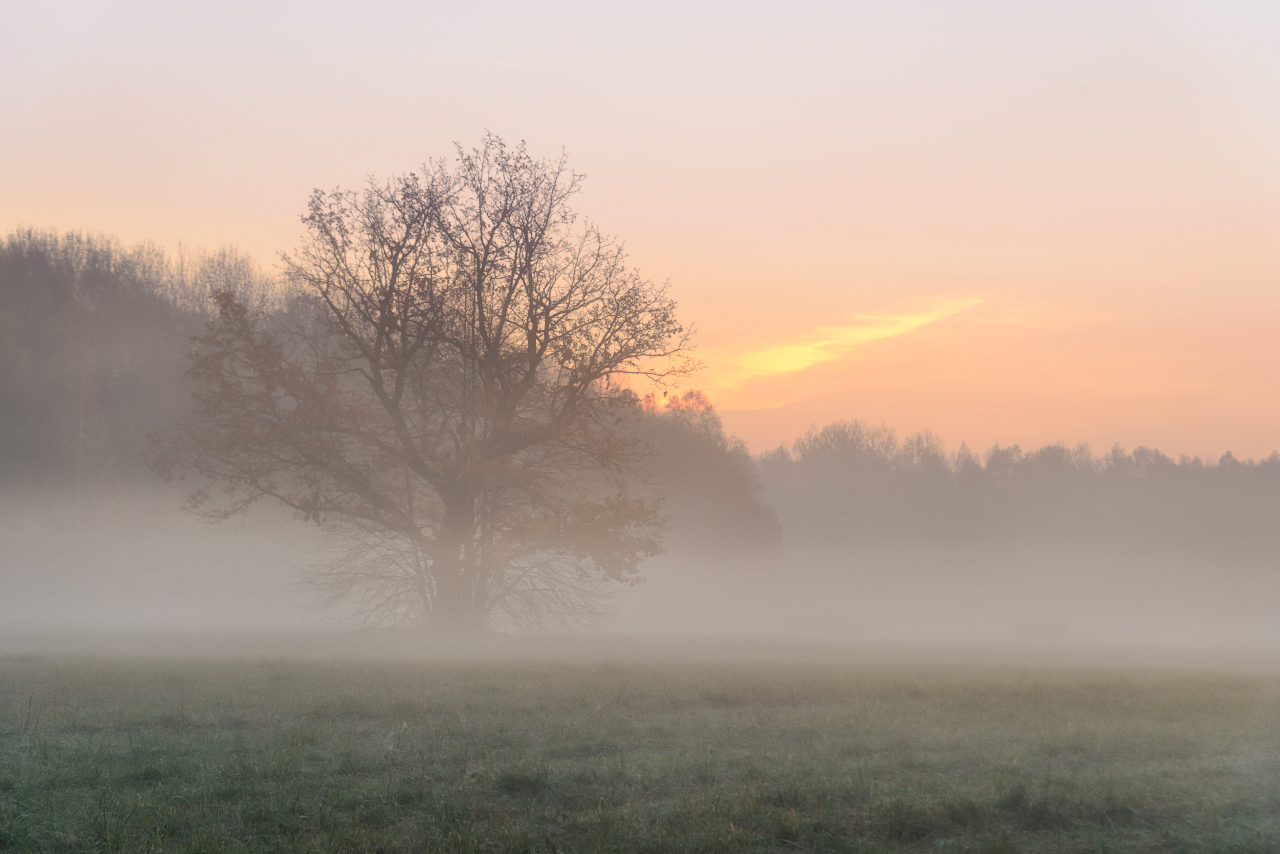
(204, 755)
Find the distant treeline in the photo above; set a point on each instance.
(94, 338)
(850, 483)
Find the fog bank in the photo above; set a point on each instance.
(850, 535)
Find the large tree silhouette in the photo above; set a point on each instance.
(447, 396)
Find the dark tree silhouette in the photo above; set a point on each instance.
(447, 397)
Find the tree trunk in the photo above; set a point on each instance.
(454, 609)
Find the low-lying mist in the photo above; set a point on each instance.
(129, 559)
(849, 536)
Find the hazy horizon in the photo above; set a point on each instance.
(971, 225)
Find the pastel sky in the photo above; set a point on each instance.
(1004, 222)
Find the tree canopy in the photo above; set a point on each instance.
(449, 395)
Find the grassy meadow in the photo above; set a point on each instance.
(102, 754)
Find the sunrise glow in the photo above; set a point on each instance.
(824, 344)
(850, 202)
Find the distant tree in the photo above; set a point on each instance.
(710, 482)
(447, 397)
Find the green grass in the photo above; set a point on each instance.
(117, 755)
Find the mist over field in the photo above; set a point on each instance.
(852, 534)
(664, 427)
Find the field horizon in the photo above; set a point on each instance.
(400, 644)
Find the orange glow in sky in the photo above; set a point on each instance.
(1137, 377)
(1003, 222)
(826, 343)
(729, 369)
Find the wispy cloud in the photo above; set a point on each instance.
(827, 343)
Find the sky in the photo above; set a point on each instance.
(1001, 222)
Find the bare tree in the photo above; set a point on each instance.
(449, 396)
